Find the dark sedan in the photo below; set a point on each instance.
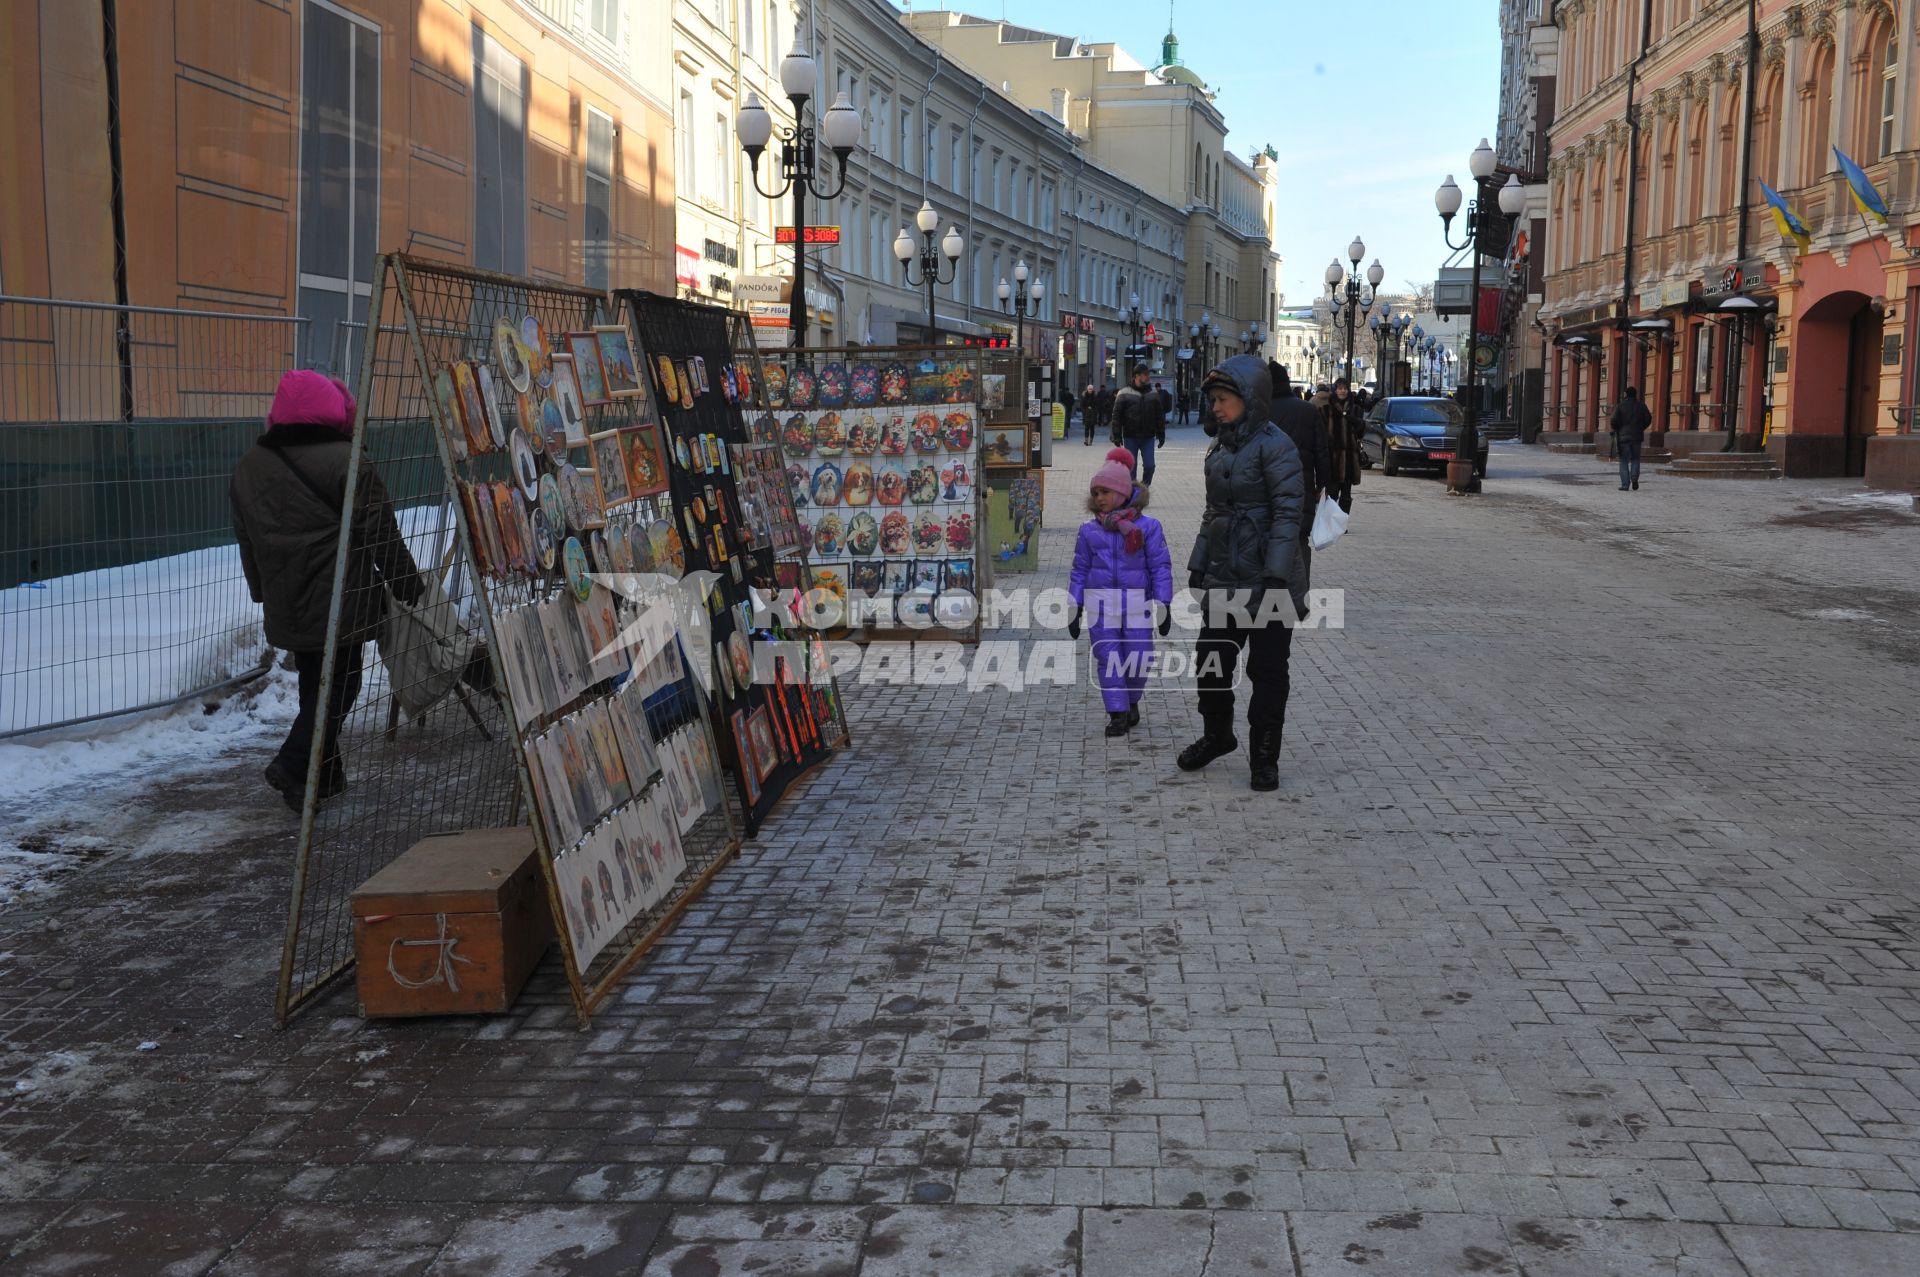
(1415, 431)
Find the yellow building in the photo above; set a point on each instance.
(1157, 127)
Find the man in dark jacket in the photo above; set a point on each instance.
(1249, 548)
(1103, 407)
(1185, 406)
(287, 494)
(1630, 422)
(1087, 414)
(1140, 421)
(1308, 430)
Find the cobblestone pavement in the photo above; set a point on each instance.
(1580, 938)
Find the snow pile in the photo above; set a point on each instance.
(1839, 614)
(1902, 501)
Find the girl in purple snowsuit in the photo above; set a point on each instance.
(1123, 573)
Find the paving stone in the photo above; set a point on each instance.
(1618, 1248)
(1032, 1241)
(341, 1241)
(104, 1238)
(1181, 1243)
(1796, 1252)
(550, 1241)
(1401, 1244)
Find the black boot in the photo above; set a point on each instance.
(1133, 716)
(1216, 741)
(1117, 723)
(1264, 747)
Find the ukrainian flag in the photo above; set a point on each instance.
(1791, 227)
(1865, 197)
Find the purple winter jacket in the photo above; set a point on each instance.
(1102, 565)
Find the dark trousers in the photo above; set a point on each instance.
(298, 747)
(1629, 460)
(1086, 419)
(1269, 649)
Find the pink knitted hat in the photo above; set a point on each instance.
(310, 398)
(1117, 474)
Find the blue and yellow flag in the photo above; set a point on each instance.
(1791, 227)
(1865, 197)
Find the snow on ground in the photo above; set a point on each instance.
(63, 798)
(110, 640)
(1876, 500)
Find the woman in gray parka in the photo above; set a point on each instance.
(1247, 549)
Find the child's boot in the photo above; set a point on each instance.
(1118, 721)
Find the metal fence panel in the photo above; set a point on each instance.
(120, 588)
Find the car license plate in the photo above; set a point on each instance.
(1441, 456)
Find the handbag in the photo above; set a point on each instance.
(1329, 523)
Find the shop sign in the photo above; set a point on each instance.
(1736, 278)
(686, 266)
(761, 288)
(1076, 323)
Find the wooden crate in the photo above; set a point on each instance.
(452, 927)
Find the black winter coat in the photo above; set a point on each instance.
(1139, 414)
(289, 535)
(1344, 425)
(1250, 533)
(1300, 423)
(1630, 420)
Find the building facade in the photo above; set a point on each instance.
(264, 152)
(1529, 70)
(1159, 130)
(1667, 270)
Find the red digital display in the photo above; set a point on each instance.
(990, 343)
(814, 235)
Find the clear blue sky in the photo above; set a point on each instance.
(1370, 103)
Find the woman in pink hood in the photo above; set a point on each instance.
(287, 494)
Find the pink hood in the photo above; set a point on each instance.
(311, 398)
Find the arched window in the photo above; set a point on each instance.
(1879, 97)
(1768, 164)
(1198, 177)
(1722, 194)
(1816, 157)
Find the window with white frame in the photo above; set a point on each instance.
(1889, 94)
(339, 172)
(747, 27)
(499, 157)
(685, 139)
(722, 177)
(604, 17)
(596, 238)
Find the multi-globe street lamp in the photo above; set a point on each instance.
(800, 170)
(1252, 337)
(930, 253)
(1351, 298)
(1136, 318)
(1024, 296)
(1480, 214)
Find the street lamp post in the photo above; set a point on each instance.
(1024, 296)
(1252, 337)
(929, 253)
(1512, 198)
(1351, 298)
(799, 157)
(1136, 318)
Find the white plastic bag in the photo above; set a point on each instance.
(1329, 521)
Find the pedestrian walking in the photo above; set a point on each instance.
(1308, 433)
(1246, 554)
(1086, 411)
(1344, 426)
(287, 493)
(1123, 579)
(1629, 424)
(1185, 405)
(1140, 421)
(1166, 406)
(1103, 407)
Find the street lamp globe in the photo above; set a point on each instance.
(1036, 290)
(1335, 273)
(1481, 163)
(1206, 319)
(1374, 323)
(1376, 273)
(926, 219)
(1003, 290)
(1447, 199)
(1513, 196)
(1020, 271)
(1213, 330)
(1133, 301)
(842, 126)
(1356, 251)
(799, 74)
(903, 246)
(951, 244)
(753, 126)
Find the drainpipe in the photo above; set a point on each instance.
(1737, 374)
(1633, 194)
(123, 333)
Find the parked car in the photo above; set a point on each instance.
(1412, 431)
